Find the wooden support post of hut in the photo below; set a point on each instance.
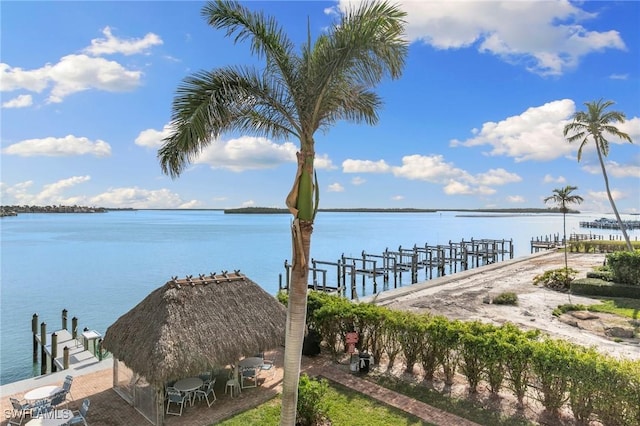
(43, 352)
(34, 332)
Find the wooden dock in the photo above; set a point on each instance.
(62, 349)
(389, 266)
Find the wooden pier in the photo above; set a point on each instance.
(390, 265)
(63, 348)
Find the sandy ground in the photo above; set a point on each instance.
(463, 296)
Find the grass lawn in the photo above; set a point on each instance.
(629, 308)
(460, 407)
(345, 408)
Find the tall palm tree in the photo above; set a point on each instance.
(294, 95)
(598, 123)
(562, 197)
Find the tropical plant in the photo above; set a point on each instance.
(562, 197)
(294, 95)
(596, 123)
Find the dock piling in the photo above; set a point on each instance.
(43, 351)
(64, 319)
(34, 332)
(54, 351)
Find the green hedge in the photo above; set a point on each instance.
(600, 246)
(597, 287)
(625, 266)
(557, 373)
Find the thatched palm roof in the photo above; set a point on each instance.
(189, 325)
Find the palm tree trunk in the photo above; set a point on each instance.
(613, 204)
(564, 231)
(296, 321)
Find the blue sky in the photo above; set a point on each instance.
(475, 121)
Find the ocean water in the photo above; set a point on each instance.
(98, 266)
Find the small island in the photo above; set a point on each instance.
(14, 210)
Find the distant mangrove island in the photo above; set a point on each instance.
(15, 210)
(276, 210)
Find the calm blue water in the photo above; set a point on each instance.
(98, 266)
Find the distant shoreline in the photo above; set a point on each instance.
(14, 210)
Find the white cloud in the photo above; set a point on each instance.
(434, 169)
(497, 177)
(631, 127)
(615, 169)
(111, 44)
(49, 195)
(397, 197)
(602, 195)
(536, 134)
(515, 199)
(358, 181)
(70, 145)
(139, 198)
(249, 203)
(364, 166)
(245, 153)
(20, 101)
(619, 76)
(431, 168)
(335, 187)
(152, 138)
(550, 179)
(75, 73)
(17, 78)
(323, 162)
(72, 74)
(505, 29)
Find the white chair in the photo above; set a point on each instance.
(233, 385)
(207, 390)
(174, 396)
(20, 408)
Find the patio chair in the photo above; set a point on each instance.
(20, 408)
(268, 365)
(58, 399)
(66, 386)
(174, 396)
(206, 391)
(233, 385)
(206, 376)
(249, 375)
(80, 416)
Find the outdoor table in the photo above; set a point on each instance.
(251, 362)
(188, 386)
(52, 418)
(44, 392)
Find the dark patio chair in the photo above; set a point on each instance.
(174, 396)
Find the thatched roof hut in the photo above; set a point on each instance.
(190, 325)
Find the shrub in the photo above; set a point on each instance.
(596, 287)
(625, 266)
(556, 279)
(601, 275)
(311, 408)
(563, 309)
(506, 298)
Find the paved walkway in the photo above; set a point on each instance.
(109, 409)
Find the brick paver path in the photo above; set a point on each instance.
(109, 409)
